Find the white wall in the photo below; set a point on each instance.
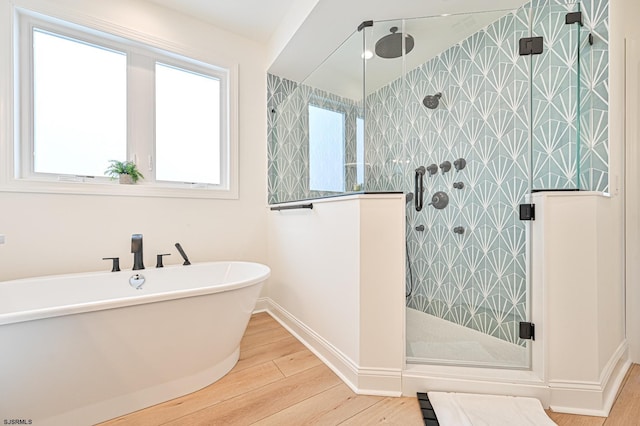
(315, 260)
(298, 12)
(624, 112)
(576, 264)
(54, 233)
(338, 283)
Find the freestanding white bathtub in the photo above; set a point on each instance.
(84, 348)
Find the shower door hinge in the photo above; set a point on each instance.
(531, 46)
(527, 331)
(527, 212)
(573, 17)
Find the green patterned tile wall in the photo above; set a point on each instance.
(288, 138)
(539, 120)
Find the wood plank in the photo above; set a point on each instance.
(259, 322)
(330, 407)
(297, 362)
(261, 354)
(264, 337)
(563, 419)
(233, 384)
(280, 382)
(403, 411)
(268, 400)
(626, 410)
(260, 316)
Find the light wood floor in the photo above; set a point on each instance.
(278, 381)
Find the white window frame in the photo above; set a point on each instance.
(17, 158)
(343, 115)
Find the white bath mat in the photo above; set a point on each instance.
(464, 409)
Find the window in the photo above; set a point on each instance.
(187, 126)
(87, 97)
(79, 106)
(326, 150)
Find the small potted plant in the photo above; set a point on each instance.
(126, 171)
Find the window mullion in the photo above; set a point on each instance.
(25, 163)
(141, 114)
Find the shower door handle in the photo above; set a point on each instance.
(419, 187)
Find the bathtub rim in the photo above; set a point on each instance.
(7, 318)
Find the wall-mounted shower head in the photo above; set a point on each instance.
(390, 46)
(432, 101)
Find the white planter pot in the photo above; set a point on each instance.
(126, 179)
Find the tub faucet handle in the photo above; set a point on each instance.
(159, 260)
(115, 265)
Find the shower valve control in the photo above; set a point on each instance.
(458, 185)
(445, 166)
(440, 200)
(420, 228)
(432, 169)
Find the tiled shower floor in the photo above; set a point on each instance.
(434, 340)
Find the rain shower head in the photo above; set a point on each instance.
(432, 101)
(390, 46)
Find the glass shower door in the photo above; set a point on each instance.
(463, 122)
(512, 120)
(467, 291)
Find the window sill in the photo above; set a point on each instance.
(115, 189)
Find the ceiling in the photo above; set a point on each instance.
(253, 19)
(332, 23)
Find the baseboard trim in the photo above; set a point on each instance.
(339, 363)
(363, 381)
(423, 378)
(380, 382)
(262, 305)
(574, 397)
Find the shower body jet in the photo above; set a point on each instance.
(432, 101)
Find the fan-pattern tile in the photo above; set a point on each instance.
(288, 137)
(539, 120)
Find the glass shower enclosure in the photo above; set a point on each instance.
(466, 114)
